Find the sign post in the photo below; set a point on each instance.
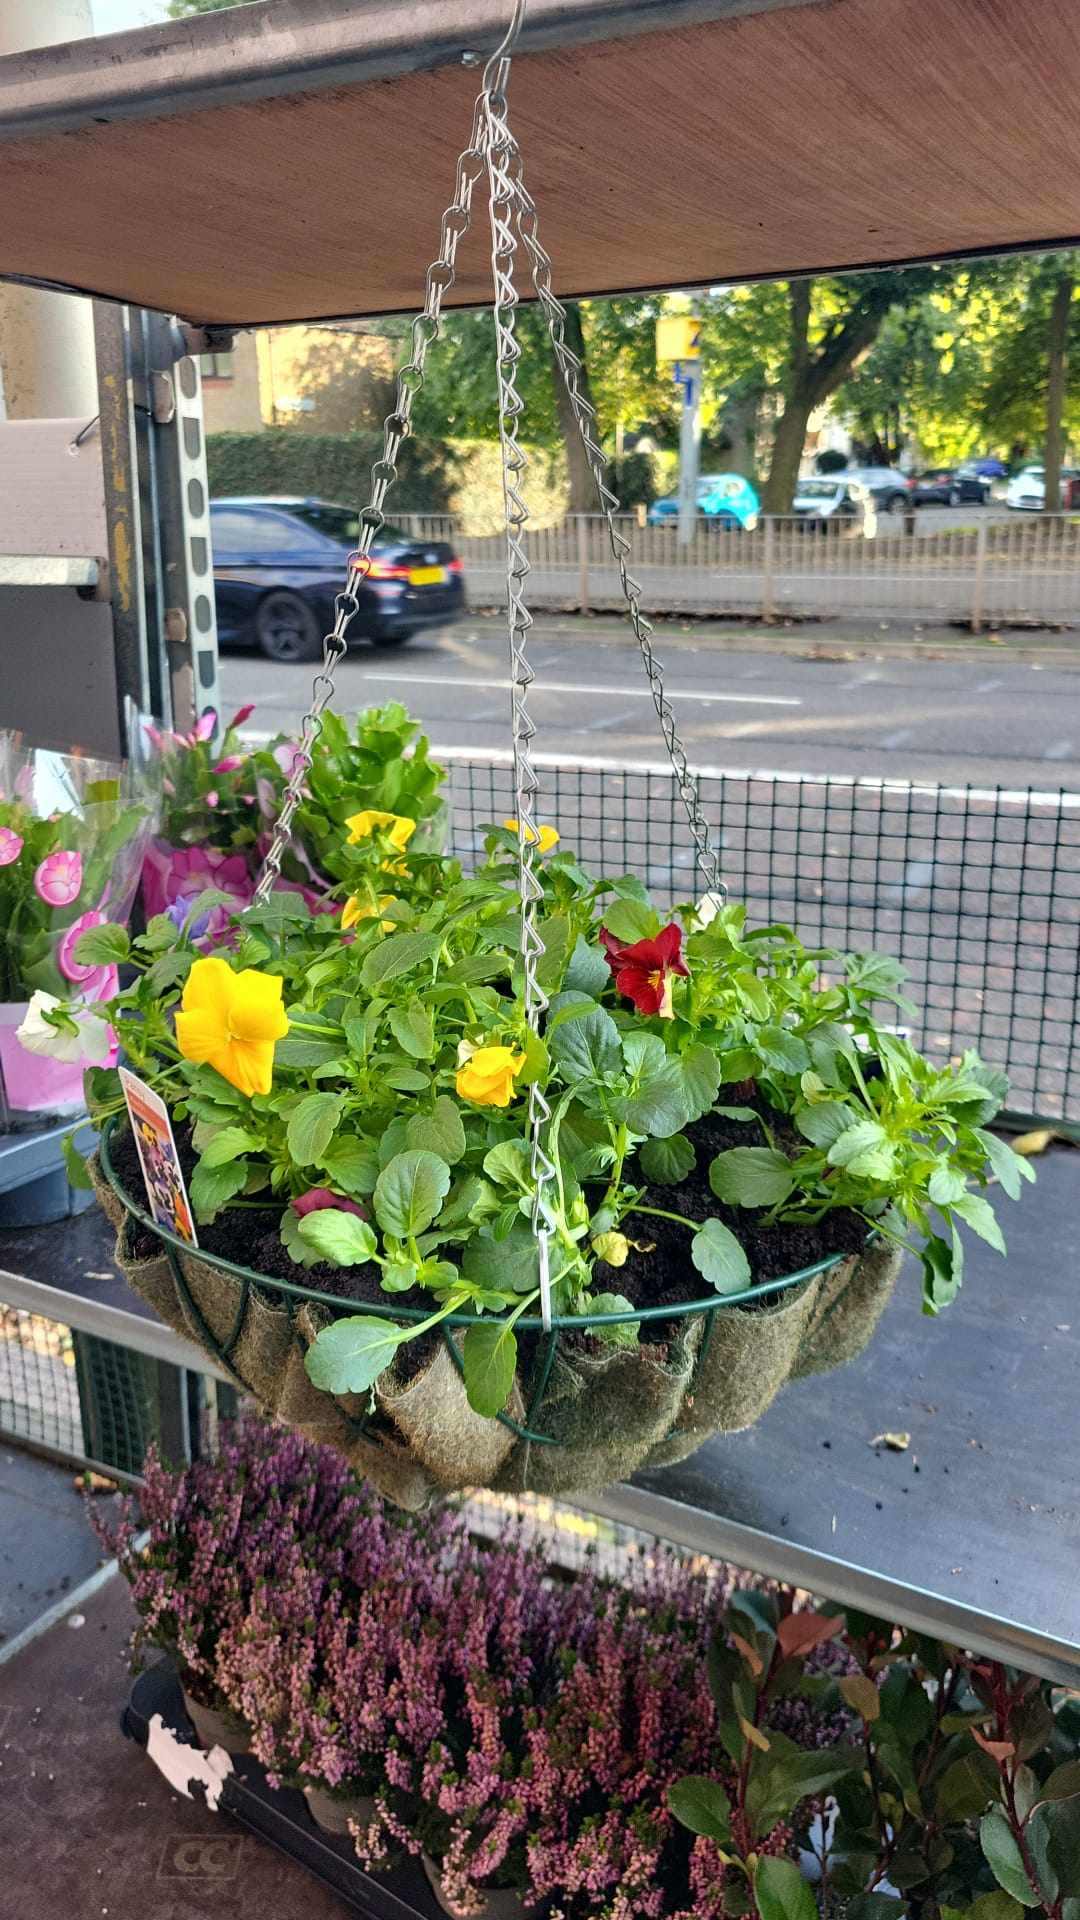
(678, 342)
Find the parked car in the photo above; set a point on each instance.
(950, 486)
(825, 503)
(725, 498)
(887, 487)
(278, 564)
(1026, 491)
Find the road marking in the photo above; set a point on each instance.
(574, 686)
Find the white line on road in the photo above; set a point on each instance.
(574, 686)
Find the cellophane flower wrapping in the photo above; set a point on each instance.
(73, 833)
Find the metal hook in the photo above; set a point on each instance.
(500, 59)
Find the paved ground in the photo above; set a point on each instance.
(807, 699)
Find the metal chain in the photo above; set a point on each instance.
(585, 415)
(501, 202)
(425, 328)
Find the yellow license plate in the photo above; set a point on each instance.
(426, 576)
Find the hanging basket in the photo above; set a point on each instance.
(581, 1415)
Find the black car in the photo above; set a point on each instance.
(950, 486)
(279, 563)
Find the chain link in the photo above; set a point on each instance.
(585, 415)
(501, 201)
(425, 328)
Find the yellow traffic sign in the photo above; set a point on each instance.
(678, 337)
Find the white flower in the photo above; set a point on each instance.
(86, 1047)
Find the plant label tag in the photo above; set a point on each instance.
(161, 1170)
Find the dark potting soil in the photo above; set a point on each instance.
(658, 1272)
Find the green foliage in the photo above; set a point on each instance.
(955, 1782)
(328, 466)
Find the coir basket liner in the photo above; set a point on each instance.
(581, 1415)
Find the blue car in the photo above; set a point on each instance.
(724, 498)
(278, 564)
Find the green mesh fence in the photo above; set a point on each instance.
(975, 889)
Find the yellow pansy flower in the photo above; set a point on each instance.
(399, 829)
(230, 1021)
(545, 837)
(356, 909)
(487, 1076)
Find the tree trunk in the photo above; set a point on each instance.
(812, 378)
(583, 496)
(1056, 368)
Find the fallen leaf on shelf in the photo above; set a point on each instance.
(896, 1442)
(1035, 1142)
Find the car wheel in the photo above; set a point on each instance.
(391, 636)
(898, 503)
(955, 496)
(286, 628)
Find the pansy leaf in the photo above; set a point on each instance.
(413, 1030)
(657, 1105)
(311, 1127)
(75, 1165)
(342, 1238)
(751, 1177)
(106, 946)
(229, 1144)
(780, 1049)
(489, 1359)
(666, 1162)
(441, 1131)
(823, 1123)
(630, 921)
(409, 1192)
(353, 1164)
(396, 954)
(211, 1188)
(587, 971)
(701, 1080)
(510, 1263)
(349, 1356)
(586, 1047)
(508, 1165)
(719, 1258)
(625, 1334)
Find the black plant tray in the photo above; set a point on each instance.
(281, 1816)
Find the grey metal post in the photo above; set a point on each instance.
(978, 589)
(138, 646)
(583, 562)
(689, 451)
(183, 521)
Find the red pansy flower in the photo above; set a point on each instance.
(644, 971)
(319, 1199)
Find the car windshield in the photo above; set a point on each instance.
(816, 489)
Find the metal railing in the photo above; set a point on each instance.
(1022, 571)
(975, 889)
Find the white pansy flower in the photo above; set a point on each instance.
(86, 1047)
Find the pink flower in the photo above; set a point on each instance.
(59, 878)
(66, 960)
(11, 846)
(229, 764)
(243, 713)
(211, 799)
(287, 755)
(267, 798)
(172, 874)
(206, 727)
(319, 1199)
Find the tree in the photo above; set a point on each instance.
(179, 9)
(1057, 363)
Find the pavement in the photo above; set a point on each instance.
(1000, 709)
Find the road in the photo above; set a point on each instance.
(998, 721)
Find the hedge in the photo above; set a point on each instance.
(331, 466)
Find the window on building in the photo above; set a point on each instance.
(217, 366)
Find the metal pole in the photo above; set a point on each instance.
(689, 450)
(140, 667)
(978, 590)
(183, 521)
(583, 562)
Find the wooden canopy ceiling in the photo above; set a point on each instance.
(290, 160)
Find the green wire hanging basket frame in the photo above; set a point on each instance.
(254, 1284)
